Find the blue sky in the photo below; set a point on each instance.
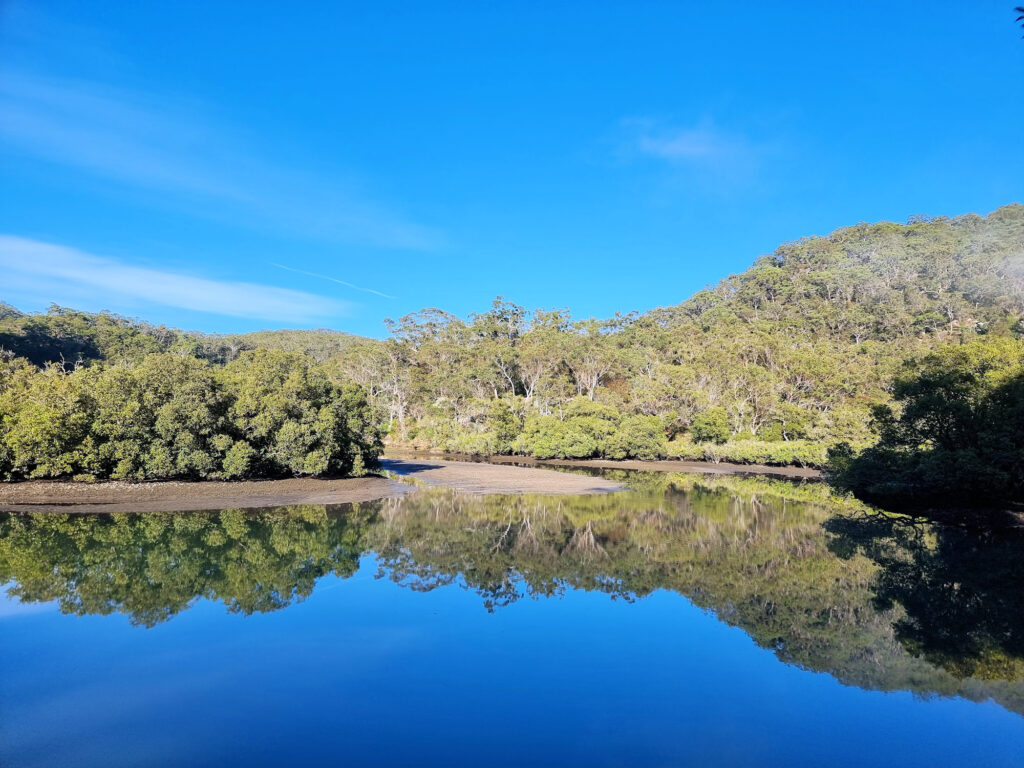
(228, 166)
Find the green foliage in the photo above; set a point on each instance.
(637, 437)
(321, 344)
(590, 429)
(175, 416)
(711, 426)
(803, 453)
(795, 353)
(957, 437)
(789, 423)
(505, 422)
(548, 437)
(46, 417)
(797, 349)
(70, 337)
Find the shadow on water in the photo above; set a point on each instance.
(819, 581)
(404, 467)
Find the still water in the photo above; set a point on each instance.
(689, 621)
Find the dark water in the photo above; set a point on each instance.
(692, 621)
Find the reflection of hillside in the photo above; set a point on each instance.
(961, 591)
(811, 578)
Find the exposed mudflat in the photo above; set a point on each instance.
(664, 465)
(480, 477)
(172, 496)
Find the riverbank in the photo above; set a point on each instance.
(661, 465)
(495, 478)
(174, 496)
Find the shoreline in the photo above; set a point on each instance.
(405, 468)
(66, 496)
(657, 465)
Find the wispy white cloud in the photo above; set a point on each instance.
(684, 145)
(28, 264)
(333, 280)
(173, 147)
(700, 144)
(700, 157)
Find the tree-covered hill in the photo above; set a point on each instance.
(71, 337)
(937, 277)
(773, 364)
(320, 344)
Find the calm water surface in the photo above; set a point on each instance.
(690, 621)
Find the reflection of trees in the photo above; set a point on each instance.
(759, 561)
(960, 590)
(883, 609)
(153, 566)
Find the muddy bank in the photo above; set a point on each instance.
(49, 496)
(665, 465)
(468, 477)
(481, 477)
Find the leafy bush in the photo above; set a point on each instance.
(804, 453)
(639, 437)
(505, 423)
(170, 415)
(547, 437)
(711, 426)
(591, 429)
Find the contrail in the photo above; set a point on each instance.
(333, 280)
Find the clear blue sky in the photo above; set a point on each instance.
(234, 166)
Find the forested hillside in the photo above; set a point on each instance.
(70, 337)
(774, 364)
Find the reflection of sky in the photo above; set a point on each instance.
(12, 608)
(367, 673)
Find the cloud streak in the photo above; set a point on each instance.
(700, 157)
(31, 264)
(167, 147)
(683, 146)
(333, 280)
(701, 144)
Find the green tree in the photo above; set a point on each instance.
(711, 426)
(957, 437)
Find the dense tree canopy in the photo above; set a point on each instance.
(955, 436)
(772, 365)
(172, 415)
(71, 338)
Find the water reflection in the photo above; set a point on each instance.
(823, 583)
(959, 590)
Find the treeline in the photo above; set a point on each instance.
(772, 366)
(953, 437)
(173, 415)
(776, 365)
(72, 338)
